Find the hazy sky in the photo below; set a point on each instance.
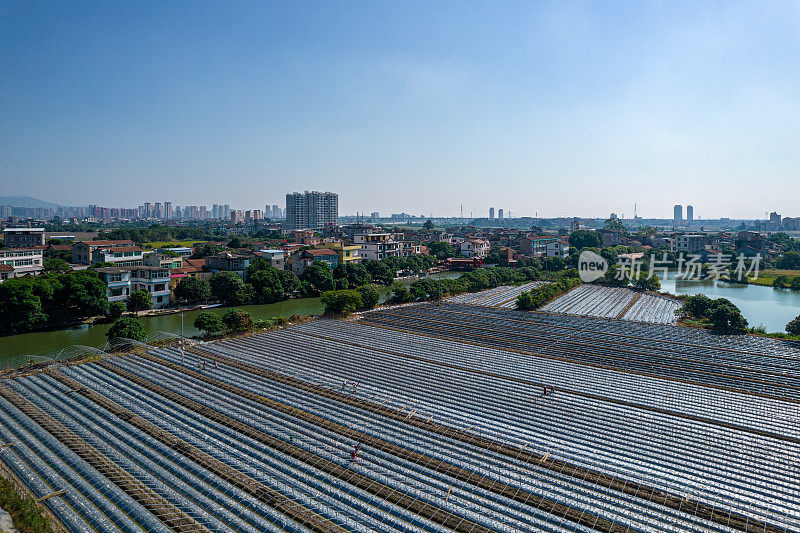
(556, 107)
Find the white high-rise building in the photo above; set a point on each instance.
(500, 214)
(689, 213)
(491, 213)
(311, 210)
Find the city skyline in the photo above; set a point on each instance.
(551, 108)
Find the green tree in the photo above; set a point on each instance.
(585, 239)
(235, 242)
(441, 250)
(319, 275)
(428, 224)
(115, 310)
(793, 327)
(698, 306)
(56, 266)
(356, 275)
(642, 282)
(400, 293)
(492, 258)
(193, 289)
(127, 328)
(267, 285)
(615, 224)
(208, 322)
(614, 278)
(381, 271)
(228, 288)
(341, 303)
(369, 296)
(139, 301)
(82, 293)
(237, 320)
(795, 284)
(20, 308)
(789, 261)
(727, 318)
(205, 250)
(781, 282)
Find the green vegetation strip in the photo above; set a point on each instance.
(27, 515)
(258, 490)
(168, 514)
(702, 510)
(544, 504)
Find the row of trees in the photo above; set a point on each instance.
(51, 300)
(266, 284)
(160, 233)
(477, 280)
(344, 302)
(537, 297)
(784, 282)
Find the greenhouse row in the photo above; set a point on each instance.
(391, 423)
(504, 296)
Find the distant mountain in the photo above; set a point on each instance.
(25, 201)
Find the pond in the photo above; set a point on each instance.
(772, 308)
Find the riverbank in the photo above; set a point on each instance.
(94, 334)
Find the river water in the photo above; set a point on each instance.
(772, 308)
(48, 342)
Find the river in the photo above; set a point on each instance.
(49, 342)
(772, 308)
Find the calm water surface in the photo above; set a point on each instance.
(774, 308)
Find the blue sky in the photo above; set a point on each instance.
(555, 108)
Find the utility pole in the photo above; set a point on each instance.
(181, 336)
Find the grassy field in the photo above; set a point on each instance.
(767, 276)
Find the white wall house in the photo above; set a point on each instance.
(24, 261)
(376, 246)
(558, 248)
(475, 248)
(122, 281)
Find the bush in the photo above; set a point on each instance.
(793, 327)
(139, 301)
(115, 310)
(237, 320)
(191, 289)
(127, 328)
(208, 322)
(538, 297)
(341, 303)
(263, 323)
(230, 289)
(781, 282)
(795, 284)
(645, 283)
(369, 296)
(728, 319)
(400, 293)
(721, 314)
